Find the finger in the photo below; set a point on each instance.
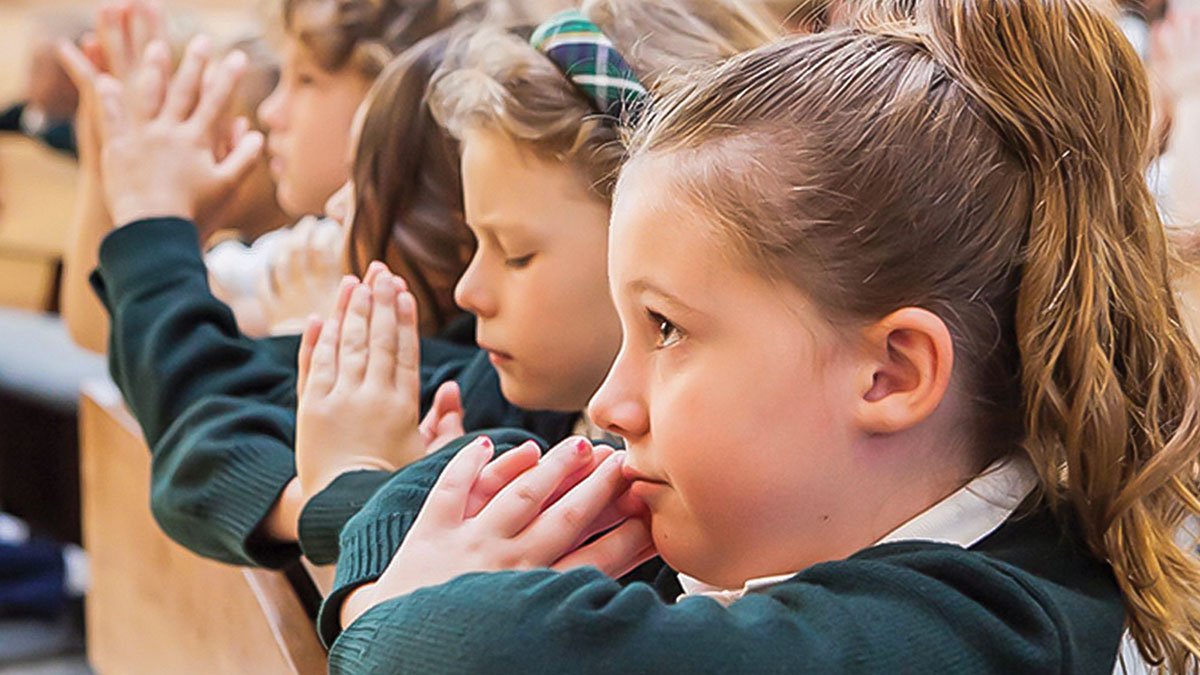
(374, 270)
(446, 399)
(238, 130)
(500, 472)
(214, 99)
(616, 553)
(240, 161)
(599, 454)
(519, 503)
(345, 288)
(90, 45)
(563, 524)
(449, 428)
(111, 32)
(408, 341)
(381, 362)
(185, 87)
(156, 20)
(113, 116)
(446, 504)
(308, 341)
(352, 348)
(139, 28)
(79, 67)
(150, 85)
(609, 517)
(294, 274)
(322, 372)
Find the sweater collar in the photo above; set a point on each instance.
(962, 519)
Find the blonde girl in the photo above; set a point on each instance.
(902, 381)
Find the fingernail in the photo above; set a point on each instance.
(485, 442)
(583, 447)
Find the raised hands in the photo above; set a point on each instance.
(116, 47)
(165, 152)
(159, 155)
(303, 274)
(359, 384)
(517, 513)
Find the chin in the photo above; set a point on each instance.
(288, 202)
(530, 397)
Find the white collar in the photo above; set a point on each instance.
(962, 519)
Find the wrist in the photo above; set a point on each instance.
(357, 603)
(141, 207)
(312, 483)
(283, 520)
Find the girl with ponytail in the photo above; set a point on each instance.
(902, 383)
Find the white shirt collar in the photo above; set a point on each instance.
(962, 519)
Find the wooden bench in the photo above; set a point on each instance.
(37, 198)
(155, 607)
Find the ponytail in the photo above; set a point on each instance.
(1108, 374)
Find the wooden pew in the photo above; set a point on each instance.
(37, 196)
(155, 607)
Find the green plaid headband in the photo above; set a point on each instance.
(588, 58)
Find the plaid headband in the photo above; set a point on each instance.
(588, 58)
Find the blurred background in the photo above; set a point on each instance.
(43, 569)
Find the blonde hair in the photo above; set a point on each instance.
(493, 78)
(365, 34)
(983, 161)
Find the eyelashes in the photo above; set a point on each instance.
(520, 262)
(667, 333)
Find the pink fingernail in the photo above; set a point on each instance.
(583, 447)
(485, 442)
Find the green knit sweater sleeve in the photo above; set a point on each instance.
(899, 609)
(216, 407)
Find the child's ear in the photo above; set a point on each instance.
(906, 371)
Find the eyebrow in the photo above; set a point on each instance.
(644, 285)
(497, 228)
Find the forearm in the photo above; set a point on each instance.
(85, 317)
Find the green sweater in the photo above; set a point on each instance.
(218, 409)
(1025, 599)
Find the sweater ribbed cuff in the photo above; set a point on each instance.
(365, 554)
(325, 515)
(242, 499)
(145, 250)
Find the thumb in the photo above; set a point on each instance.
(240, 161)
(449, 428)
(308, 341)
(447, 399)
(79, 67)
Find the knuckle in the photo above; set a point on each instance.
(528, 495)
(573, 517)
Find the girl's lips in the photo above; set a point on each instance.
(632, 474)
(497, 357)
